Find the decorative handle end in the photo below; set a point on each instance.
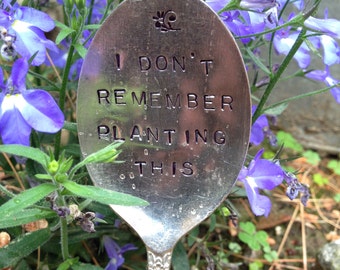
(159, 261)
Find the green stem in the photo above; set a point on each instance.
(63, 228)
(90, 13)
(275, 78)
(6, 191)
(62, 97)
(64, 238)
(298, 21)
(316, 92)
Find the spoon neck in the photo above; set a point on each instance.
(159, 260)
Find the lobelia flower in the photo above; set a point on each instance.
(260, 174)
(258, 4)
(115, 252)
(242, 22)
(330, 27)
(330, 47)
(325, 76)
(21, 109)
(260, 130)
(295, 187)
(27, 26)
(284, 40)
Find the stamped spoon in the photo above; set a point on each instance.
(167, 78)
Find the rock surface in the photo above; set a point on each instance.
(328, 257)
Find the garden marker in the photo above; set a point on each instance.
(166, 78)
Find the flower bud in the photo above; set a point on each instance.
(106, 155)
(60, 178)
(53, 167)
(80, 4)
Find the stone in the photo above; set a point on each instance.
(328, 258)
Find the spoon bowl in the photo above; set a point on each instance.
(167, 78)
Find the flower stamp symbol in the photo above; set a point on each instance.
(165, 20)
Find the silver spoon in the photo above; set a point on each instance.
(168, 79)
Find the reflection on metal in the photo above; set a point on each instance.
(166, 77)
(159, 261)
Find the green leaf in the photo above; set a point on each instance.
(193, 235)
(26, 198)
(334, 165)
(319, 179)
(43, 176)
(234, 247)
(248, 227)
(261, 237)
(271, 256)
(277, 110)
(22, 247)
(65, 31)
(257, 265)
(180, 258)
(70, 126)
(245, 237)
(252, 238)
(312, 157)
(288, 141)
(81, 50)
(212, 223)
(68, 263)
(92, 26)
(337, 197)
(258, 62)
(24, 217)
(27, 152)
(87, 266)
(102, 195)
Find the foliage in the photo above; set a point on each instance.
(58, 220)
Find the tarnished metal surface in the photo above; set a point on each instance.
(166, 77)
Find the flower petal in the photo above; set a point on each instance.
(13, 127)
(330, 27)
(40, 111)
(2, 85)
(336, 94)
(29, 42)
(260, 205)
(35, 17)
(4, 19)
(256, 135)
(111, 247)
(331, 50)
(18, 75)
(267, 175)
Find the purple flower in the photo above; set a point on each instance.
(21, 109)
(330, 27)
(295, 187)
(115, 252)
(331, 49)
(284, 40)
(325, 76)
(260, 130)
(260, 174)
(27, 26)
(217, 5)
(258, 4)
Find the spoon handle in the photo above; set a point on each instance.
(159, 261)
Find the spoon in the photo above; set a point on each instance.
(167, 78)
